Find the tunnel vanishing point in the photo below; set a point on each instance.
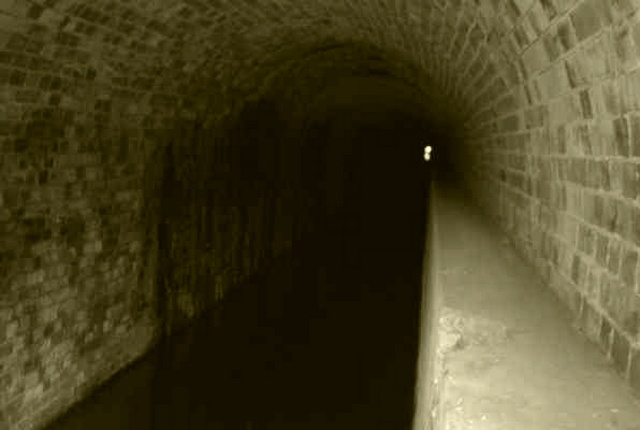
(155, 153)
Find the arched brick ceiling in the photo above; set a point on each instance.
(155, 48)
(109, 109)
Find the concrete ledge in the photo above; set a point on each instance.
(512, 356)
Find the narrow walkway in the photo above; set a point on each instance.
(514, 361)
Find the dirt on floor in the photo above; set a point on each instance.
(481, 390)
(512, 359)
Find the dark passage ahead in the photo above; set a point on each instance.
(325, 338)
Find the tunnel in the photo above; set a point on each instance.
(217, 214)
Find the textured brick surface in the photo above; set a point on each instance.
(635, 372)
(121, 125)
(138, 182)
(581, 67)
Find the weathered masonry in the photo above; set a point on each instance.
(149, 148)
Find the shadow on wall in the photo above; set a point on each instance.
(220, 193)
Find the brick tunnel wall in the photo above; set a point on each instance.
(559, 154)
(128, 210)
(116, 231)
(122, 137)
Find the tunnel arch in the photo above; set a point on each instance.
(536, 100)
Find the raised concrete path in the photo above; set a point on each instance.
(513, 360)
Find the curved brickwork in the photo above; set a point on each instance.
(133, 134)
(561, 162)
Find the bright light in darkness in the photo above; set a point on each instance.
(427, 153)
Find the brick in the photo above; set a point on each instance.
(586, 19)
(579, 170)
(606, 331)
(594, 177)
(602, 247)
(624, 224)
(511, 123)
(609, 215)
(590, 320)
(592, 290)
(577, 268)
(589, 209)
(616, 176)
(613, 257)
(586, 240)
(635, 221)
(584, 138)
(566, 35)
(631, 180)
(17, 78)
(628, 267)
(620, 305)
(621, 135)
(623, 44)
(631, 322)
(35, 11)
(551, 46)
(561, 133)
(634, 371)
(605, 183)
(549, 9)
(634, 127)
(620, 349)
(585, 103)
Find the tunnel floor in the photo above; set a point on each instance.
(325, 338)
(513, 357)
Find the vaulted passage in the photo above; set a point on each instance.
(158, 159)
(325, 337)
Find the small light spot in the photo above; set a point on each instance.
(427, 153)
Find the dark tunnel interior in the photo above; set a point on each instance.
(218, 214)
(326, 336)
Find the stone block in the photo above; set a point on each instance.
(510, 123)
(634, 128)
(586, 240)
(578, 269)
(592, 288)
(621, 136)
(634, 370)
(621, 306)
(635, 225)
(620, 350)
(613, 257)
(630, 89)
(602, 247)
(631, 323)
(631, 180)
(606, 331)
(586, 19)
(566, 35)
(609, 215)
(535, 58)
(616, 176)
(594, 177)
(585, 103)
(550, 43)
(628, 267)
(624, 224)
(549, 9)
(590, 320)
